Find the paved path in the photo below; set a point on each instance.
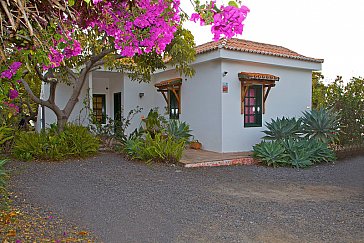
(122, 201)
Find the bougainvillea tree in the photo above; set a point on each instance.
(63, 41)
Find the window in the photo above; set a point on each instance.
(99, 107)
(171, 91)
(173, 104)
(253, 107)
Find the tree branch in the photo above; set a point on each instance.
(37, 100)
(10, 16)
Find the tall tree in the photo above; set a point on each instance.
(63, 41)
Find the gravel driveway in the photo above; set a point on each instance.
(123, 201)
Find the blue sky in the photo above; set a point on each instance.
(328, 29)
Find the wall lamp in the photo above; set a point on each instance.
(224, 74)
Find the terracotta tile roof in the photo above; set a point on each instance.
(169, 82)
(254, 47)
(257, 76)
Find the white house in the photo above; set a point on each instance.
(238, 86)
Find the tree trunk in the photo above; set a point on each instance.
(61, 123)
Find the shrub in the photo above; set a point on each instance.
(154, 123)
(178, 130)
(270, 153)
(347, 99)
(159, 148)
(298, 153)
(321, 124)
(6, 137)
(282, 128)
(114, 129)
(49, 145)
(80, 141)
(3, 175)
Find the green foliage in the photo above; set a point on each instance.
(346, 99)
(318, 91)
(154, 123)
(282, 128)
(74, 141)
(6, 134)
(3, 175)
(322, 124)
(178, 130)
(270, 153)
(158, 149)
(4, 200)
(182, 50)
(299, 153)
(114, 129)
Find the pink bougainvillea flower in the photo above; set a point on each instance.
(15, 66)
(7, 74)
(13, 94)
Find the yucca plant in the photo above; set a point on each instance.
(178, 130)
(270, 153)
(321, 124)
(282, 128)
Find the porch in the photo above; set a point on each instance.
(202, 158)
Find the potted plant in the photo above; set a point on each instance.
(195, 144)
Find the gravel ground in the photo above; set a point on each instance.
(123, 201)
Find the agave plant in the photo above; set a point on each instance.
(321, 124)
(178, 130)
(270, 153)
(282, 128)
(299, 152)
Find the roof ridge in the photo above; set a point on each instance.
(253, 47)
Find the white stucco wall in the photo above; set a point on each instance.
(290, 96)
(103, 82)
(132, 100)
(200, 102)
(79, 115)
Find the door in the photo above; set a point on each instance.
(117, 106)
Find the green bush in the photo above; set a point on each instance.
(74, 141)
(297, 153)
(282, 128)
(345, 98)
(178, 130)
(270, 153)
(159, 148)
(154, 123)
(321, 124)
(3, 175)
(6, 138)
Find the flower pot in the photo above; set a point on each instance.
(195, 145)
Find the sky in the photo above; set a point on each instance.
(329, 29)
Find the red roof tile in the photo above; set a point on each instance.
(254, 47)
